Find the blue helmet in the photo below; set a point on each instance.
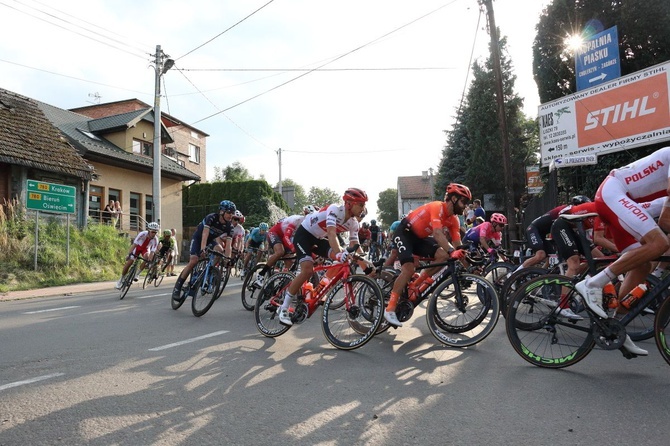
(263, 226)
(227, 206)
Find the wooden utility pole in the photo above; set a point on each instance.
(502, 123)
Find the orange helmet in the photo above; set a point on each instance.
(355, 195)
(459, 189)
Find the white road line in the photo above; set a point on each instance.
(51, 309)
(29, 381)
(153, 295)
(188, 341)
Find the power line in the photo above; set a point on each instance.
(319, 69)
(224, 31)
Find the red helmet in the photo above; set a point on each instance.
(498, 218)
(459, 189)
(355, 195)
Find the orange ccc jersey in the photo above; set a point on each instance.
(431, 217)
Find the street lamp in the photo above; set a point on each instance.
(160, 68)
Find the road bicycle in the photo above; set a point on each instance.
(129, 278)
(255, 258)
(374, 252)
(493, 266)
(544, 339)
(462, 308)
(155, 271)
(352, 304)
(202, 284)
(249, 287)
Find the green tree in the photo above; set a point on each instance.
(322, 196)
(644, 41)
(234, 172)
(387, 206)
(473, 152)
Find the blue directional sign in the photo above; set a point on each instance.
(598, 59)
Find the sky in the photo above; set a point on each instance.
(355, 93)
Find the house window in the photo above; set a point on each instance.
(143, 147)
(194, 153)
(134, 210)
(149, 208)
(95, 206)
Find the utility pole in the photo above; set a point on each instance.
(502, 123)
(279, 157)
(160, 68)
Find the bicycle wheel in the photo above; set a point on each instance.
(268, 300)
(186, 286)
(206, 289)
(128, 280)
(353, 324)
(149, 276)
(513, 282)
(463, 324)
(385, 282)
(496, 273)
(535, 331)
(225, 275)
(249, 290)
(662, 330)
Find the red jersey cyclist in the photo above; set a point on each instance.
(421, 233)
(280, 237)
(318, 235)
(144, 245)
(637, 236)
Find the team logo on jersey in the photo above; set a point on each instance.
(632, 206)
(637, 176)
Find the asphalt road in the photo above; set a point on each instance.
(90, 369)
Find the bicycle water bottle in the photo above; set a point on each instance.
(634, 296)
(324, 282)
(307, 289)
(609, 293)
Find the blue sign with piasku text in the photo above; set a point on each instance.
(597, 61)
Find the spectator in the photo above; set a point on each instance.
(108, 212)
(478, 211)
(175, 255)
(116, 214)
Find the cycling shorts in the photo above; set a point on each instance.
(409, 244)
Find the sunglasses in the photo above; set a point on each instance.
(152, 232)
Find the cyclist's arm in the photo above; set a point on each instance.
(203, 239)
(331, 233)
(441, 239)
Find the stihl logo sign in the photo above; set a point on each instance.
(627, 110)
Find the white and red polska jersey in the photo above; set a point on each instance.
(317, 222)
(144, 243)
(289, 224)
(646, 178)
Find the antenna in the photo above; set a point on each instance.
(96, 97)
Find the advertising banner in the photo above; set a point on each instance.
(629, 112)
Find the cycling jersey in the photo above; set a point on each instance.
(433, 216)
(216, 229)
(620, 194)
(282, 231)
(144, 244)
(167, 244)
(364, 234)
(485, 230)
(256, 235)
(317, 222)
(375, 233)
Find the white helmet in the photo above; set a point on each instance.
(153, 226)
(309, 209)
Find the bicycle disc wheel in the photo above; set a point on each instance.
(535, 331)
(662, 330)
(267, 301)
(249, 290)
(353, 324)
(206, 289)
(462, 325)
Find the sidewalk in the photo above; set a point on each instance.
(68, 290)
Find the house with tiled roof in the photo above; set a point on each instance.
(118, 151)
(31, 147)
(414, 191)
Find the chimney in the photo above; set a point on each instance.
(424, 175)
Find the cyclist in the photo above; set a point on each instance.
(488, 235)
(280, 239)
(144, 245)
(393, 256)
(217, 225)
(413, 237)
(255, 241)
(364, 236)
(166, 247)
(238, 232)
(637, 236)
(318, 235)
(309, 209)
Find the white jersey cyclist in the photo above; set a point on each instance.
(317, 222)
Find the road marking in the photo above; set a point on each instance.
(188, 341)
(29, 381)
(153, 295)
(51, 309)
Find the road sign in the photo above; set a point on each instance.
(572, 161)
(598, 59)
(51, 197)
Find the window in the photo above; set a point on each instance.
(134, 210)
(95, 205)
(143, 147)
(194, 153)
(149, 208)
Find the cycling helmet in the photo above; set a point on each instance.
(499, 219)
(355, 195)
(167, 232)
(580, 199)
(365, 224)
(238, 215)
(373, 222)
(263, 226)
(459, 189)
(309, 209)
(403, 216)
(227, 206)
(153, 226)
